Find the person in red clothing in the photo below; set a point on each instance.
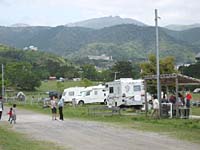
(10, 114)
(188, 99)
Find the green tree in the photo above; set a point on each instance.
(166, 66)
(149, 68)
(20, 75)
(192, 70)
(89, 72)
(123, 69)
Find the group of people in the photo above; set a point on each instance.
(182, 101)
(11, 114)
(54, 104)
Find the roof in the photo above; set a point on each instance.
(197, 56)
(170, 79)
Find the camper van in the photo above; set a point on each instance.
(71, 93)
(92, 94)
(126, 92)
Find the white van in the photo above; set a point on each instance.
(126, 92)
(71, 93)
(92, 94)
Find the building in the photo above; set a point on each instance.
(101, 57)
(198, 57)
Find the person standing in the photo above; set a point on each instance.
(188, 99)
(54, 107)
(60, 107)
(10, 114)
(1, 107)
(155, 112)
(14, 116)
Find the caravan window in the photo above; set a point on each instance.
(95, 92)
(87, 93)
(137, 88)
(111, 90)
(71, 93)
(63, 93)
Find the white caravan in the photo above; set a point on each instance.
(71, 93)
(92, 94)
(126, 92)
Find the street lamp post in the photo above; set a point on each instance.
(2, 67)
(157, 60)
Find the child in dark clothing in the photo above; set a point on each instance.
(10, 114)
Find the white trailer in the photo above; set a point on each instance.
(126, 92)
(92, 94)
(71, 93)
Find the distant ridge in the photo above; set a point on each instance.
(20, 25)
(122, 42)
(177, 27)
(98, 23)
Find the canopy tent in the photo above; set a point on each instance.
(169, 80)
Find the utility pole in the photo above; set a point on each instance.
(157, 60)
(116, 75)
(2, 80)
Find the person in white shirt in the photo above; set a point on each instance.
(155, 113)
(1, 107)
(54, 107)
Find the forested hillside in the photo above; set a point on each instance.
(45, 64)
(122, 42)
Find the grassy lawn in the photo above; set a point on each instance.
(196, 111)
(10, 140)
(195, 97)
(185, 129)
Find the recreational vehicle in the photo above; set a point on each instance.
(126, 92)
(71, 93)
(92, 94)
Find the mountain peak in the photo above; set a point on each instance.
(98, 23)
(20, 25)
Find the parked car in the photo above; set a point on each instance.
(196, 103)
(53, 93)
(197, 90)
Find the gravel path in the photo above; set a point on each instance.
(88, 135)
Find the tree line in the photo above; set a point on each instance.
(26, 70)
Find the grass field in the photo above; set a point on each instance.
(185, 129)
(10, 140)
(196, 97)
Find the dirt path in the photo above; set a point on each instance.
(88, 135)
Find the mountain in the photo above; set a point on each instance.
(98, 23)
(182, 27)
(122, 42)
(20, 25)
(191, 36)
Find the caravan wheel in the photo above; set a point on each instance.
(105, 101)
(81, 102)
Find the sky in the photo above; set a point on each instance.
(61, 12)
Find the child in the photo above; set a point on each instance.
(13, 118)
(10, 114)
